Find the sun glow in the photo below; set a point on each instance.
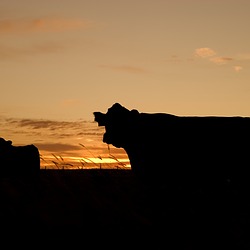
(58, 162)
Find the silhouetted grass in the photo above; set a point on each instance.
(84, 163)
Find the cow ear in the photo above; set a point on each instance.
(9, 142)
(134, 114)
(117, 108)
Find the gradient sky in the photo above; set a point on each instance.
(61, 60)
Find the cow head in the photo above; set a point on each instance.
(120, 125)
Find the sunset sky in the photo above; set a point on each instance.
(62, 60)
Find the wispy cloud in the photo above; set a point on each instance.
(62, 147)
(58, 147)
(17, 26)
(205, 52)
(30, 28)
(221, 60)
(48, 132)
(237, 68)
(45, 130)
(177, 59)
(210, 55)
(36, 124)
(125, 68)
(11, 52)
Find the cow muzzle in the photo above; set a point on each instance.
(106, 138)
(100, 118)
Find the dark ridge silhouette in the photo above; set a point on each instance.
(18, 160)
(183, 150)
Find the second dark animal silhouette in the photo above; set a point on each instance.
(18, 160)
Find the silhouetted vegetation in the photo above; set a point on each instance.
(85, 162)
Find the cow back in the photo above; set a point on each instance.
(20, 160)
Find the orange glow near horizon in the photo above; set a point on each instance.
(65, 145)
(57, 162)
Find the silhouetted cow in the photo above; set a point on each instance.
(18, 160)
(182, 149)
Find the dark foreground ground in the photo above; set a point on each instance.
(114, 208)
